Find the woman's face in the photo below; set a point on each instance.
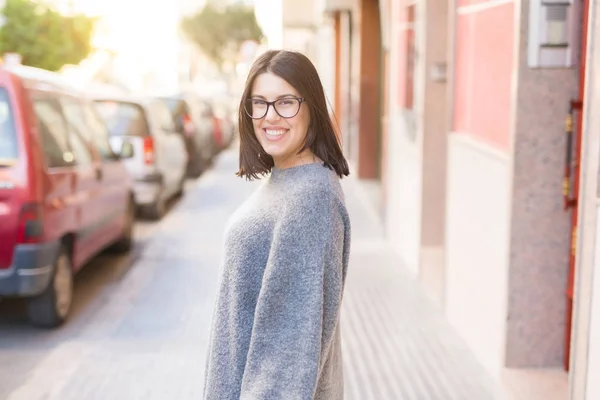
(282, 130)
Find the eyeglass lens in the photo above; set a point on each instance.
(286, 107)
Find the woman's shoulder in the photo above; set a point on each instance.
(318, 195)
(320, 183)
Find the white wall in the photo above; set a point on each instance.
(325, 58)
(477, 233)
(298, 13)
(403, 169)
(593, 373)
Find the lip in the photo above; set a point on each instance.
(275, 128)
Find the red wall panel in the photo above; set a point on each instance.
(483, 73)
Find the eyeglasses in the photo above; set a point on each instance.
(288, 107)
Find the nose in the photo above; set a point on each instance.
(271, 113)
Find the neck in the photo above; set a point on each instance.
(306, 157)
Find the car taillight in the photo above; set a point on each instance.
(31, 224)
(188, 125)
(148, 150)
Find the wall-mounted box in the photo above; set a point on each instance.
(553, 33)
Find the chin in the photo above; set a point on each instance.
(273, 151)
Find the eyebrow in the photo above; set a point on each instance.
(258, 96)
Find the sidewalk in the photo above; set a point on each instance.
(142, 335)
(397, 343)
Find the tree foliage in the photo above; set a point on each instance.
(43, 37)
(219, 32)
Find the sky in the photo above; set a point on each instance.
(142, 26)
(268, 15)
(144, 33)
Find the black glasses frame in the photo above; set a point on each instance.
(272, 104)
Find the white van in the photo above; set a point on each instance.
(158, 165)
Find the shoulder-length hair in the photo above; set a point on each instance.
(296, 69)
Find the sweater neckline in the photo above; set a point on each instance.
(282, 173)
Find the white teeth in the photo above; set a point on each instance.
(271, 132)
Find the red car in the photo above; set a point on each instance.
(64, 194)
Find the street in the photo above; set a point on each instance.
(140, 324)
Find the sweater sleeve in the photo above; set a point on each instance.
(299, 302)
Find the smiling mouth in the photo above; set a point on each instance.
(275, 134)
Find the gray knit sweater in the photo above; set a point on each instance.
(276, 332)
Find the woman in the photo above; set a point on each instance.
(275, 332)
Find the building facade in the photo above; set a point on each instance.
(585, 345)
(469, 119)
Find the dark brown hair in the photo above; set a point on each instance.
(296, 69)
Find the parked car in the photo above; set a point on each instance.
(194, 121)
(225, 118)
(64, 194)
(158, 167)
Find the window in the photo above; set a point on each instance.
(161, 116)
(179, 111)
(54, 133)
(205, 109)
(79, 132)
(8, 134)
(122, 118)
(174, 105)
(75, 118)
(99, 132)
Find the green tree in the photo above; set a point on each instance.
(43, 37)
(219, 32)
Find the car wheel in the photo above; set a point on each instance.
(156, 210)
(195, 169)
(125, 243)
(181, 187)
(51, 308)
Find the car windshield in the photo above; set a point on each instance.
(8, 133)
(122, 118)
(174, 105)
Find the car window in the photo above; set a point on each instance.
(172, 104)
(122, 118)
(161, 116)
(99, 132)
(79, 132)
(8, 134)
(74, 116)
(53, 131)
(179, 112)
(208, 107)
(201, 108)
